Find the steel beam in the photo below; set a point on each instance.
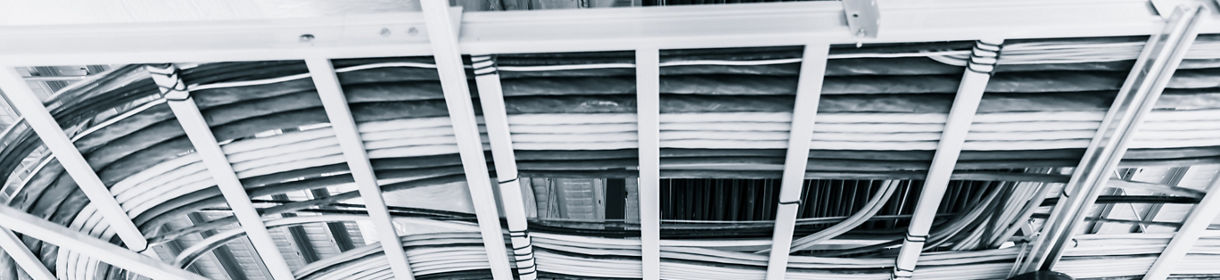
(344, 125)
(1151, 72)
(26, 260)
(673, 27)
(84, 244)
(53, 137)
(969, 93)
(443, 36)
(173, 89)
(1196, 223)
(808, 94)
(495, 118)
(648, 117)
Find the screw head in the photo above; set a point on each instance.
(385, 32)
(413, 31)
(306, 37)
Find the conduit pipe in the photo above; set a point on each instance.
(1136, 98)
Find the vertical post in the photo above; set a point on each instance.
(64, 237)
(808, 94)
(648, 114)
(53, 136)
(443, 37)
(344, 126)
(1151, 72)
(495, 117)
(969, 93)
(176, 95)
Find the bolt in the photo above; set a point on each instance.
(305, 38)
(413, 31)
(385, 32)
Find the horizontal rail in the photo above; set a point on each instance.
(402, 33)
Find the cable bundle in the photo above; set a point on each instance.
(724, 114)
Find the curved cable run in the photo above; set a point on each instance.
(723, 114)
(869, 210)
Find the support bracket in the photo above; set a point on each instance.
(862, 17)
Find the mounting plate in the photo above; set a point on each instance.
(862, 17)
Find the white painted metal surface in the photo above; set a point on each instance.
(1138, 94)
(648, 117)
(565, 31)
(808, 94)
(696, 26)
(495, 118)
(443, 36)
(200, 134)
(961, 115)
(54, 138)
(1196, 223)
(344, 125)
(63, 237)
(11, 245)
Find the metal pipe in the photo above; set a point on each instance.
(1151, 72)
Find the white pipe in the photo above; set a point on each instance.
(54, 138)
(1136, 98)
(495, 118)
(648, 115)
(201, 137)
(808, 94)
(443, 37)
(344, 125)
(63, 237)
(961, 115)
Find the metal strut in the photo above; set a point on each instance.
(178, 97)
(982, 62)
(1152, 71)
(495, 117)
(808, 94)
